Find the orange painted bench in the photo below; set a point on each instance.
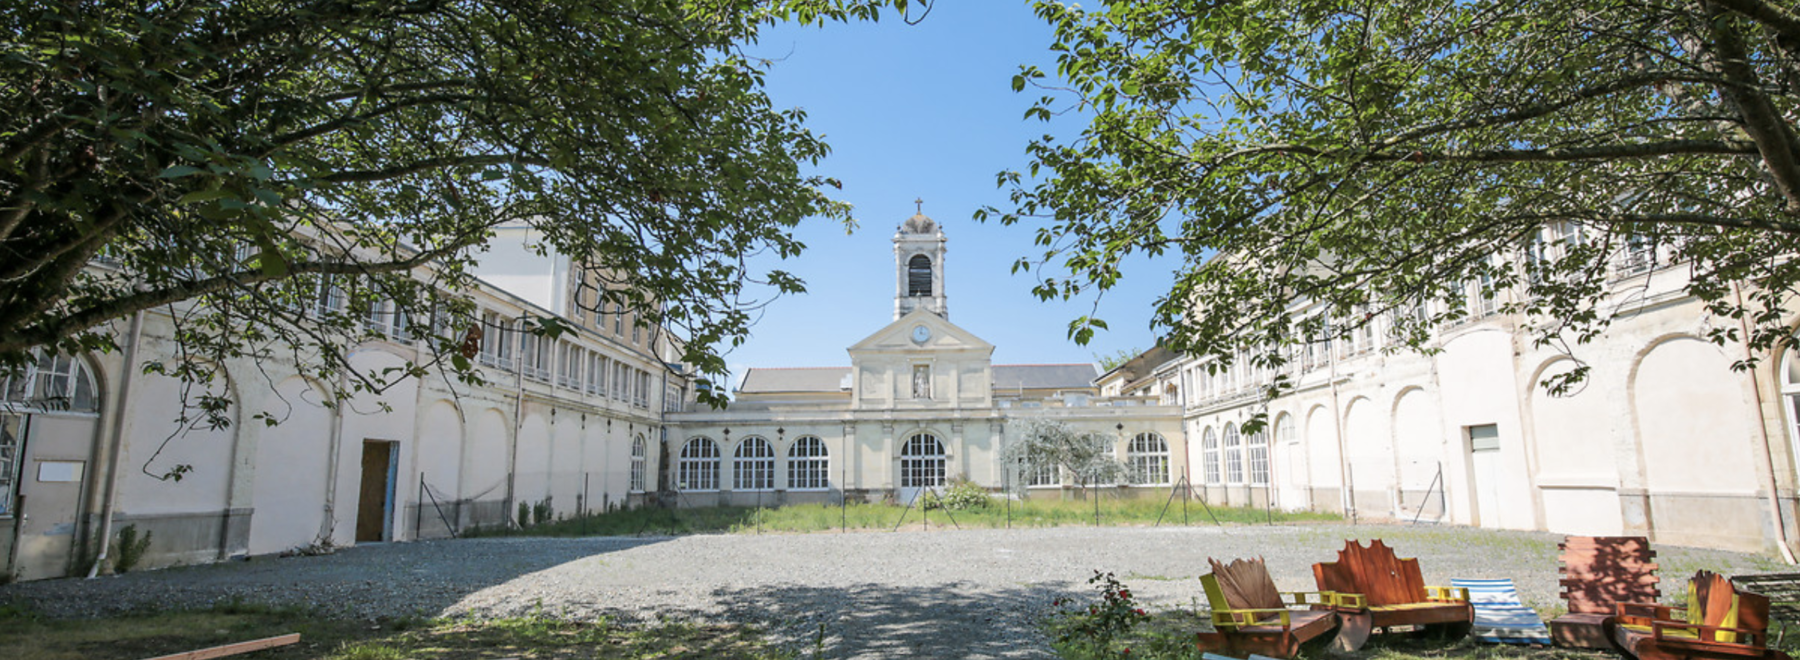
(1378, 591)
(1250, 616)
(1719, 623)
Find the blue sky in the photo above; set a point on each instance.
(925, 111)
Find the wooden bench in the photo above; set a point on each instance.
(1598, 573)
(1378, 590)
(1249, 616)
(1719, 623)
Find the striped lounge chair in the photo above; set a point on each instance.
(1499, 616)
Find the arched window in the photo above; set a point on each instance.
(918, 276)
(1234, 456)
(698, 466)
(1284, 429)
(809, 468)
(638, 461)
(1259, 459)
(1148, 458)
(52, 383)
(753, 465)
(1209, 455)
(922, 462)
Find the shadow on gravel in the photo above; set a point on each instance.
(883, 621)
(368, 581)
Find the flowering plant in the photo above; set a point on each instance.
(1093, 629)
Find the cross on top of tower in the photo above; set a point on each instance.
(919, 202)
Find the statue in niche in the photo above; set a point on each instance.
(921, 381)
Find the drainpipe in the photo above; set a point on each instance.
(1347, 493)
(333, 456)
(512, 456)
(1762, 436)
(117, 443)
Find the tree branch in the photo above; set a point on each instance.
(403, 169)
(1781, 19)
(125, 305)
(1563, 155)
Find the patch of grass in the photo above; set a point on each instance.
(1113, 511)
(26, 636)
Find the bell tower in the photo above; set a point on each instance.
(919, 266)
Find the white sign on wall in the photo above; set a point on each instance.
(60, 471)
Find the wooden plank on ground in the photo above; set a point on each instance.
(233, 649)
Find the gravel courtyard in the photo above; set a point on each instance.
(938, 594)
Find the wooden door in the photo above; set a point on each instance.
(375, 508)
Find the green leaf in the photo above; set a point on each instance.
(204, 196)
(177, 171)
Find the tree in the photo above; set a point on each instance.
(232, 161)
(1385, 158)
(1047, 444)
(1111, 361)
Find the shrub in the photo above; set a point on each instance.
(541, 512)
(131, 549)
(1091, 631)
(962, 495)
(524, 515)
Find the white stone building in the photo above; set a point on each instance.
(920, 404)
(573, 422)
(1663, 439)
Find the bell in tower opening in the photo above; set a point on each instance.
(919, 267)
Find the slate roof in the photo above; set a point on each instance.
(832, 379)
(1043, 376)
(795, 379)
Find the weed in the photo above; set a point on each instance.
(131, 549)
(541, 512)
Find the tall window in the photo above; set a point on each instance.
(698, 466)
(496, 342)
(1259, 459)
(638, 462)
(1234, 456)
(1148, 458)
(918, 276)
(809, 468)
(1284, 430)
(569, 365)
(1639, 255)
(1209, 455)
(922, 462)
(596, 374)
(330, 298)
(534, 353)
(753, 465)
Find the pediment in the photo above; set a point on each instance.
(943, 336)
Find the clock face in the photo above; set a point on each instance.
(921, 334)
